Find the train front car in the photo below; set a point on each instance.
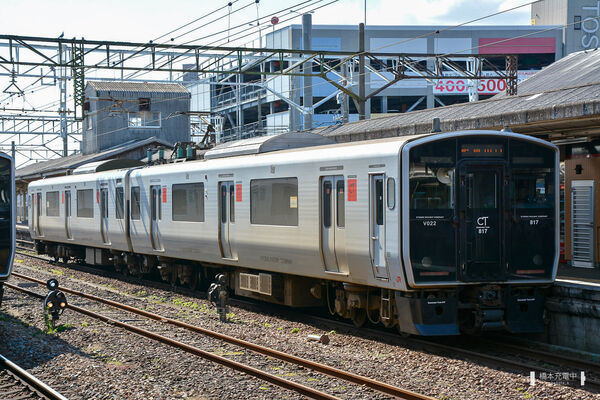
(7, 218)
(480, 232)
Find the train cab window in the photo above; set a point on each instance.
(135, 202)
(391, 193)
(52, 204)
(188, 202)
(85, 203)
(431, 175)
(341, 205)
(274, 201)
(327, 204)
(119, 203)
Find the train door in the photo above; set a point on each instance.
(377, 225)
(37, 212)
(480, 208)
(155, 216)
(104, 215)
(68, 214)
(582, 223)
(226, 216)
(333, 221)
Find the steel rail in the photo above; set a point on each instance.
(546, 356)
(437, 347)
(31, 381)
(318, 367)
(284, 383)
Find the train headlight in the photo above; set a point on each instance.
(426, 262)
(63, 304)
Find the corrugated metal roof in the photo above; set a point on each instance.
(146, 87)
(568, 88)
(67, 163)
(576, 69)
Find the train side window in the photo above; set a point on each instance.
(391, 193)
(135, 202)
(188, 202)
(85, 203)
(274, 201)
(52, 204)
(341, 205)
(327, 204)
(119, 203)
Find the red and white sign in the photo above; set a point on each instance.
(485, 86)
(352, 190)
(238, 192)
(164, 194)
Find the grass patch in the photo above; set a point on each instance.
(295, 330)
(57, 271)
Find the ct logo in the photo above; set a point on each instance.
(482, 226)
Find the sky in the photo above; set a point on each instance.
(208, 21)
(144, 20)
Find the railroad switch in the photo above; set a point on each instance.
(218, 296)
(54, 303)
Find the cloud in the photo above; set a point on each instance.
(422, 12)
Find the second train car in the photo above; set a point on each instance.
(432, 234)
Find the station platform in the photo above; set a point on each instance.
(567, 272)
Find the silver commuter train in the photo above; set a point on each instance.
(433, 234)
(7, 218)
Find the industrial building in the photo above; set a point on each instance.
(244, 105)
(122, 112)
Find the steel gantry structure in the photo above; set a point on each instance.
(30, 63)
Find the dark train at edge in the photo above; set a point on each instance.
(432, 234)
(7, 218)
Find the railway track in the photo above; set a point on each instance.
(496, 353)
(287, 384)
(18, 384)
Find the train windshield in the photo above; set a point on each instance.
(5, 214)
(482, 209)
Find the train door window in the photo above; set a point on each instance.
(135, 202)
(119, 203)
(391, 193)
(52, 204)
(341, 205)
(223, 203)
(327, 204)
(85, 203)
(159, 201)
(104, 202)
(153, 210)
(67, 203)
(232, 203)
(378, 201)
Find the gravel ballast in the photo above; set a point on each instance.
(88, 359)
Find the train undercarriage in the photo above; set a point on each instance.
(466, 309)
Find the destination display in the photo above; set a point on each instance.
(481, 150)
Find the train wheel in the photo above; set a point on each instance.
(358, 316)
